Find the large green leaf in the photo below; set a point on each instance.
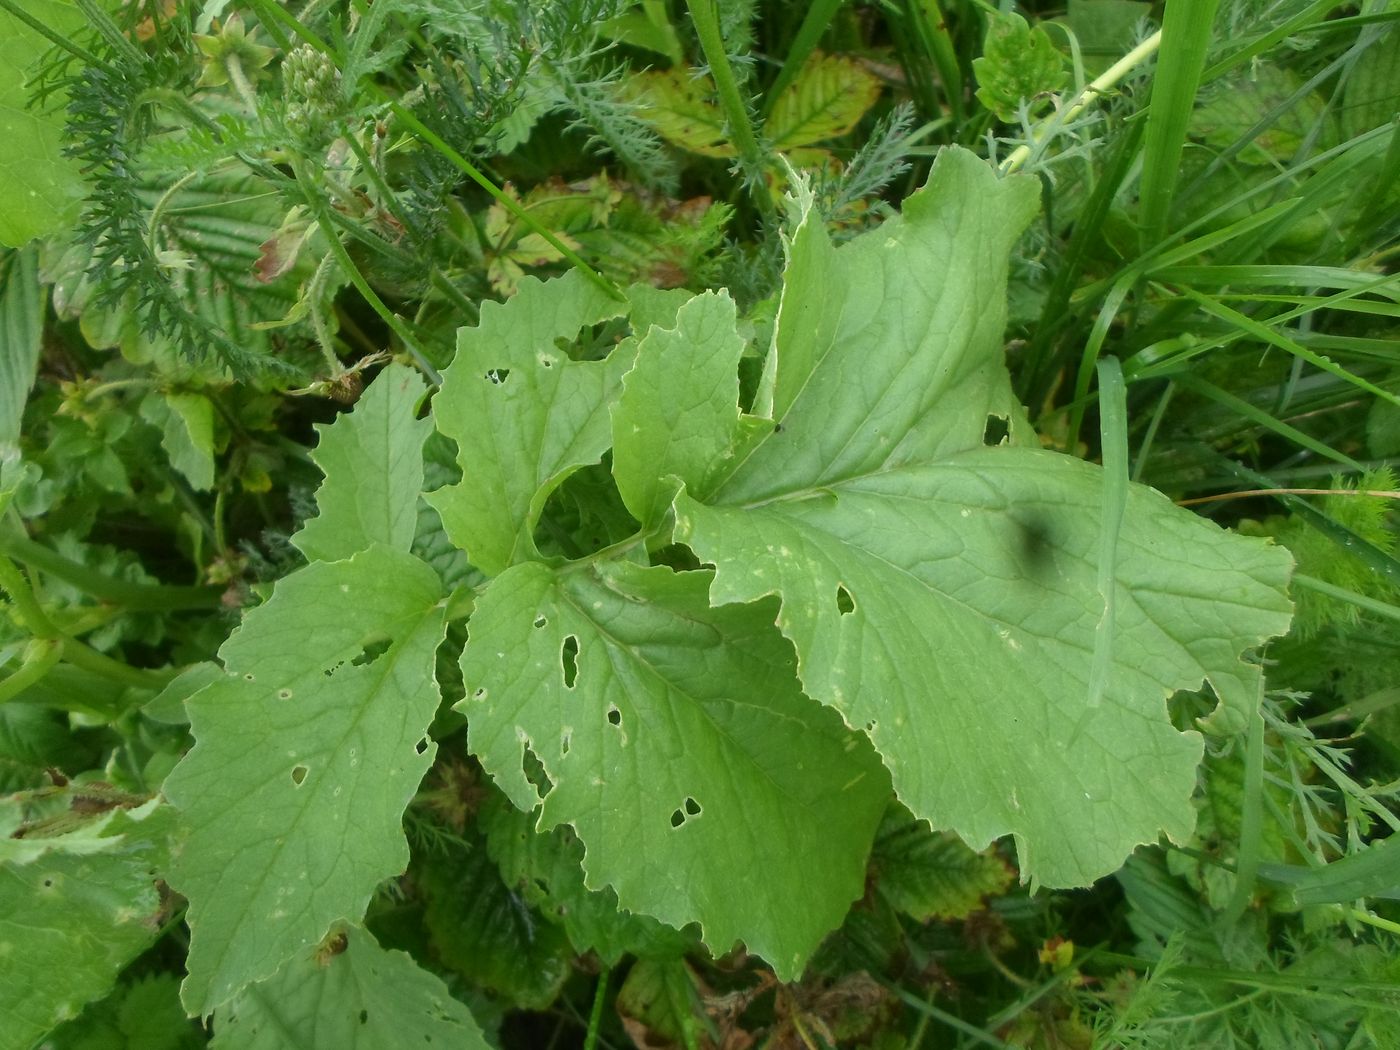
(373, 462)
(674, 738)
(944, 596)
(306, 754)
(358, 998)
(42, 187)
(70, 921)
(524, 415)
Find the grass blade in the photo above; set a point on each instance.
(1186, 30)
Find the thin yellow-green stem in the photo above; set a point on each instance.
(40, 656)
(1249, 493)
(1097, 87)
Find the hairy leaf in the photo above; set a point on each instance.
(680, 107)
(524, 415)
(943, 596)
(481, 930)
(352, 994)
(932, 874)
(306, 754)
(373, 462)
(547, 869)
(674, 739)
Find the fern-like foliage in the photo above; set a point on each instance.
(115, 106)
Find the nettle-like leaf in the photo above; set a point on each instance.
(675, 739)
(524, 415)
(306, 754)
(942, 595)
(351, 994)
(373, 461)
(1019, 62)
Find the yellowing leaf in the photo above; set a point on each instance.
(825, 101)
(680, 107)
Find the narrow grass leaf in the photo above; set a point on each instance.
(1186, 32)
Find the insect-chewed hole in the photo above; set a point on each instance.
(371, 651)
(284, 694)
(997, 430)
(534, 771)
(692, 808)
(546, 361)
(677, 819)
(541, 621)
(614, 716)
(421, 746)
(299, 775)
(497, 376)
(568, 660)
(564, 739)
(844, 603)
(480, 694)
(871, 725)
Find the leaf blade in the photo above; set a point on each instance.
(686, 757)
(373, 465)
(311, 734)
(523, 414)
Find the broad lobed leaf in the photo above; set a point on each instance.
(661, 440)
(74, 915)
(942, 596)
(523, 414)
(373, 462)
(44, 188)
(674, 738)
(353, 995)
(306, 754)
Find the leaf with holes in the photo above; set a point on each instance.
(306, 754)
(373, 462)
(674, 738)
(943, 595)
(350, 994)
(523, 413)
